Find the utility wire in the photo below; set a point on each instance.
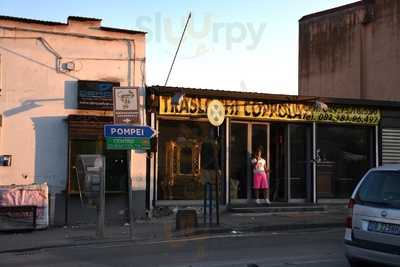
(179, 45)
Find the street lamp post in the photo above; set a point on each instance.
(216, 116)
(217, 167)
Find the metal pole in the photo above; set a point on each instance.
(152, 168)
(101, 203)
(130, 195)
(129, 153)
(227, 161)
(79, 186)
(314, 182)
(210, 203)
(216, 159)
(68, 189)
(288, 158)
(376, 145)
(205, 204)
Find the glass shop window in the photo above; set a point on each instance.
(185, 159)
(344, 154)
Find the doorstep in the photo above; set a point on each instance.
(275, 207)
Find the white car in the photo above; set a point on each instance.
(373, 225)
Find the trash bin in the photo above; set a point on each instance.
(186, 219)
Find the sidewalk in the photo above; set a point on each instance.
(163, 228)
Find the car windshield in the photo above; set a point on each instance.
(381, 188)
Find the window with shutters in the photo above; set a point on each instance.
(390, 146)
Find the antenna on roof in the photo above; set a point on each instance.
(179, 45)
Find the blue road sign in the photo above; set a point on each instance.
(128, 131)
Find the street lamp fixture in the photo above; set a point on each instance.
(177, 98)
(320, 105)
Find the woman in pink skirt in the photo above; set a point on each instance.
(260, 177)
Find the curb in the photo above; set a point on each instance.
(66, 245)
(287, 227)
(270, 210)
(185, 234)
(266, 228)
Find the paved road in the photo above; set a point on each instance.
(322, 248)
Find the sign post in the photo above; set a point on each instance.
(130, 194)
(126, 110)
(102, 204)
(128, 137)
(216, 116)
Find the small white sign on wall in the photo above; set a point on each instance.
(126, 103)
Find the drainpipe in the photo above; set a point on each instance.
(314, 180)
(129, 45)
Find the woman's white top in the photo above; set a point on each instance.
(259, 165)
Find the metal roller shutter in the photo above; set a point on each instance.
(390, 146)
(87, 127)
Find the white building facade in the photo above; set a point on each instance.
(44, 67)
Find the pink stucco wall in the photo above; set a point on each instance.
(36, 96)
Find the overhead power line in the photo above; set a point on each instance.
(177, 50)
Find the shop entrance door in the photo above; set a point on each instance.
(116, 183)
(278, 162)
(245, 138)
(300, 162)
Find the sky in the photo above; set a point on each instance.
(230, 45)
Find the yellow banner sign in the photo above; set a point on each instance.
(193, 106)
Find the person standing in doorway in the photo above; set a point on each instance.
(260, 177)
